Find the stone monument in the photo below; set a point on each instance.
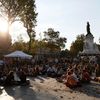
(89, 48)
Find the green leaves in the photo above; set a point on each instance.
(22, 10)
(77, 45)
(53, 39)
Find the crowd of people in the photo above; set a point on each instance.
(10, 77)
(72, 72)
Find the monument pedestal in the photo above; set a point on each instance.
(89, 48)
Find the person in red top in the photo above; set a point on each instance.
(71, 80)
(85, 76)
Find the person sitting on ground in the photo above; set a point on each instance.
(60, 72)
(9, 79)
(85, 76)
(22, 76)
(72, 80)
(50, 71)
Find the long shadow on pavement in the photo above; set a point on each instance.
(27, 93)
(92, 89)
(21, 93)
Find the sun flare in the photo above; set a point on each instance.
(3, 26)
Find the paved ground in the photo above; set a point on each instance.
(49, 89)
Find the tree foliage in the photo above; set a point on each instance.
(77, 45)
(19, 44)
(54, 41)
(98, 46)
(10, 9)
(65, 53)
(22, 10)
(28, 17)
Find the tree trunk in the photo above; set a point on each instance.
(30, 41)
(29, 47)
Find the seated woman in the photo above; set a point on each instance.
(72, 80)
(85, 76)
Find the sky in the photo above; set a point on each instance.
(69, 17)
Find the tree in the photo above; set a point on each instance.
(61, 42)
(38, 46)
(65, 53)
(19, 44)
(10, 10)
(99, 39)
(54, 41)
(77, 45)
(98, 46)
(28, 17)
(22, 10)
